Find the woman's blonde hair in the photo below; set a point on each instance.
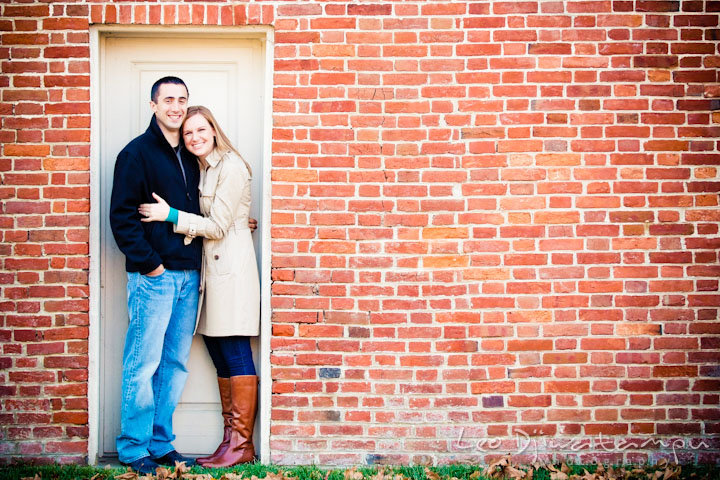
(222, 142)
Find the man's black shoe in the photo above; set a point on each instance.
(171, 457)
(144, 465)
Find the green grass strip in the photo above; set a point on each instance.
(313, 472)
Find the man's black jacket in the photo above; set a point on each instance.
(149, 164)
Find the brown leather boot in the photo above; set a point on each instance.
(226, 403)
(240, 449)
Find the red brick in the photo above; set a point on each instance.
(372, 10)
(67, 23)
(567, 386)
(675, 371)
(66, 52)
(297, 37)
(480, 388)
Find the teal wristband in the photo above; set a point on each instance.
(172, 216)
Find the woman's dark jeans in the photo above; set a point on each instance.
(231, 356)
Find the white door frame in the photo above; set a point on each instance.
(98, 33)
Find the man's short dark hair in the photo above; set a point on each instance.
(155, 90)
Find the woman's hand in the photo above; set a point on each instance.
(154, 212)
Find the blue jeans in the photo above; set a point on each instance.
(162, 313)
(231, 355)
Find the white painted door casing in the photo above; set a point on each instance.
(225, 74)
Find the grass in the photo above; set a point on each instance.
(312, 472)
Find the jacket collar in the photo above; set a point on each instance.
(214, 158)
(155, 131)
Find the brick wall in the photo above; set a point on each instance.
(494, 227)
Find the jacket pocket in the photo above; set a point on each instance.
(219, 260)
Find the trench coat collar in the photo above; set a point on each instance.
(214, 158)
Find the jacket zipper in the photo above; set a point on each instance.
(178, 157)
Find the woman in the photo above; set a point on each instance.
(230, 289)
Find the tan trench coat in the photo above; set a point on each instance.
(230, 286)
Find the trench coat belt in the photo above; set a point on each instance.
(202, 281)
(242, 225)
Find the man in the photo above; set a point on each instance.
(163, 280)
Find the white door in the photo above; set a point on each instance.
(226, 75)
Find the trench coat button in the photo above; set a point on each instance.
(217, 257)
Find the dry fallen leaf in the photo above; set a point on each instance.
(586, 476)
(180, 470)
(271, 476)
(162, 473)
(381, 475)
(235, 476)
(671, 473)
(496, 469)
(431, 475)
(129, 475)
(514, 474)
(349, 474)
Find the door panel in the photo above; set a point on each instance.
(226, 75)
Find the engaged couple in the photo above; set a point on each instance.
(179, 212)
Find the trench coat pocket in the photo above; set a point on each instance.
(219, 258)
